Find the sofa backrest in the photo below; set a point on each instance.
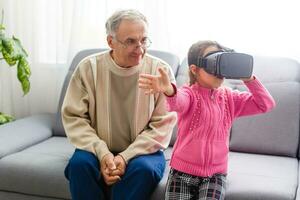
(181, 79)
(183, 74)
(58, 129)
(276, 132)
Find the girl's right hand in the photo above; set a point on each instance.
(156, 83)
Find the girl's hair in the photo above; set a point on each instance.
(197, 50)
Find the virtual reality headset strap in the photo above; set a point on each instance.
(201, 61)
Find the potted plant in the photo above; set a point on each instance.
(14, 55)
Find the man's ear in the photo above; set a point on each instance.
(110, 42)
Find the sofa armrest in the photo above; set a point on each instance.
(20, 134)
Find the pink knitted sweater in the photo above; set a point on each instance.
(204, 120)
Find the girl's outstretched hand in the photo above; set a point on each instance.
(156, 83)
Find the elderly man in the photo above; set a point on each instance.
(117, 130)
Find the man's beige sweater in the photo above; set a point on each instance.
(116, 116)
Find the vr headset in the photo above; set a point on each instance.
(228, 65)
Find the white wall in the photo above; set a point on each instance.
(53, 31)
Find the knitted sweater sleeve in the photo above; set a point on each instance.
(180, 100)
(256, 100)
(76, 119)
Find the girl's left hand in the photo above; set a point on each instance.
(248, 79)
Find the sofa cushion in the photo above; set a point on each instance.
(276, 132)
(22, 133)
(38, 170)
(18, 196)
(298, 189)
(253, 176)
(168, 153)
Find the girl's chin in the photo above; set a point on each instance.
(217, 85)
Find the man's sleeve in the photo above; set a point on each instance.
(76, 119)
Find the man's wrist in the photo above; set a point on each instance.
(122, 158)
(125, 156)
(106, 155)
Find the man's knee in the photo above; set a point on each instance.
(151, 174)
(151, 171)
(81, 162)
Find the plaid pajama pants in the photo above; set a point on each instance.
(182, 186)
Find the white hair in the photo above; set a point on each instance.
(113, 23)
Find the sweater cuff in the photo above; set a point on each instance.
(175, 91)
(253, 83)
(249, 81)
(101, 152)
(126, 156)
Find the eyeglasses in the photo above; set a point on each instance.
(133, 43)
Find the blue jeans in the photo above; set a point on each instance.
(142, 175)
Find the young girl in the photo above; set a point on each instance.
(206, 111)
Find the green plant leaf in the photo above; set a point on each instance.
(8, 44)
(1, 38)
(8, 51)
(19, 50)
(23, 75)
(2, 27)
(12, 50)
(13, 53)
(8, 58)
(4, 118)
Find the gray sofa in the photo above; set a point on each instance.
(264, 149)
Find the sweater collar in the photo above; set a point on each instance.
(203, 90)
(114, 67)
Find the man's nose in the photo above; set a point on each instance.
(139, 48)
